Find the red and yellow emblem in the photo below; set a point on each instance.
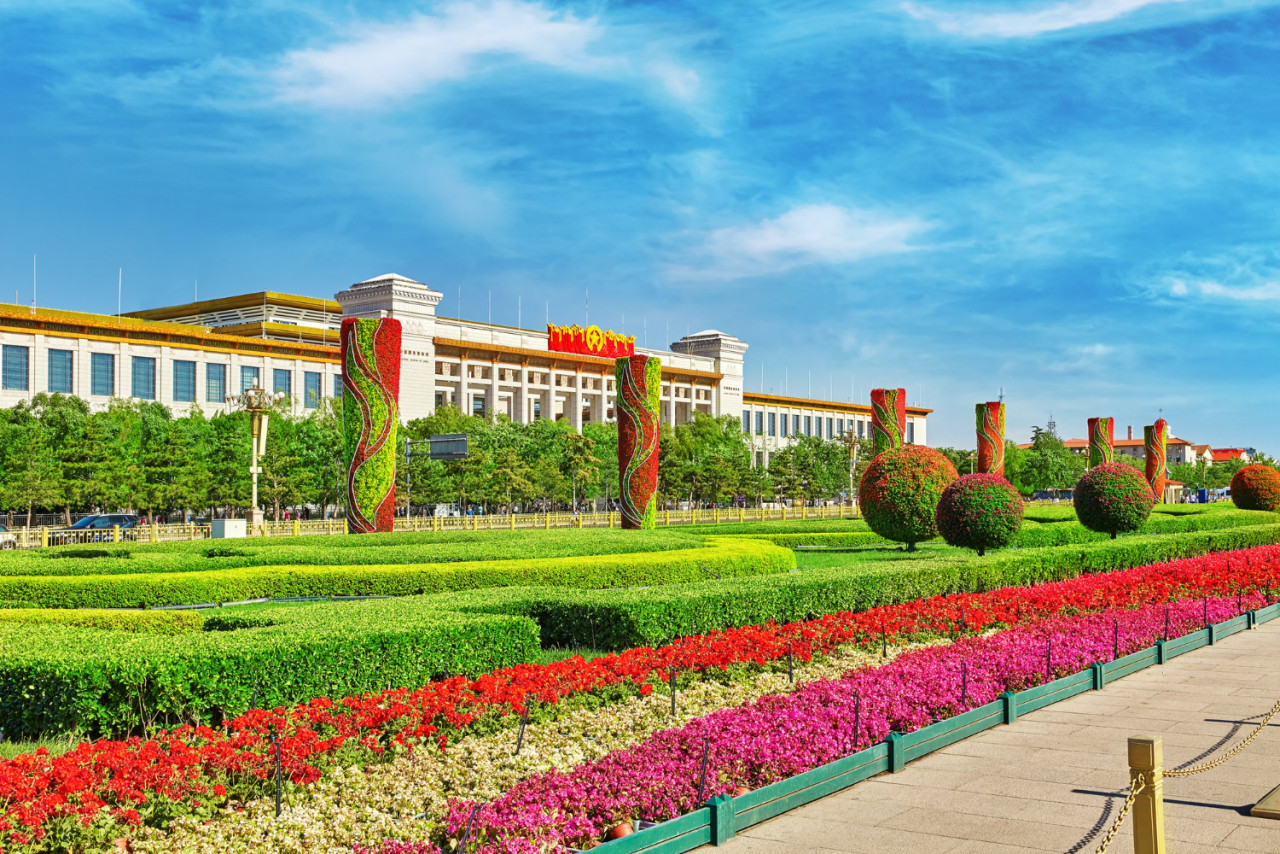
(592, 341)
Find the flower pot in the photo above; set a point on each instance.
(741, 790)
(620, 830)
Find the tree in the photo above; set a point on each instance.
(579, 464)
(32, 476)
(1047, 464)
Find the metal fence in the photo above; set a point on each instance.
(45, 536)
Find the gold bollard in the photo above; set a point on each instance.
(1146, 758)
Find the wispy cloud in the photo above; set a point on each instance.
(391, 61)
(1024, 22)
(807, 234)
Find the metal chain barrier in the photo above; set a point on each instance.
(1135, 787)
(1187, 772)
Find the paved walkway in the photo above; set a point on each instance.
(1054, 780)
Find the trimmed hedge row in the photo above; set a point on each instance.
(621, 619)
(66, 679)
(141, 622)
(717, 557)
(124, 559)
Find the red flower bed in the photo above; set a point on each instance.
(193, 769)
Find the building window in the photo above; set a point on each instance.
(102, 374)
(808, 425)
(839, 426)
(248, 378)
(783, 424)
(862, 429)
(537, 409)
(759, 423)
(60, 363)
(911, 432)
(337, 386)
(14, 368)
(144, 378)
(795, 425)
(746, 421)
(830, 435)
(477, 405)
(760, 459)
(215, 383)
(773, 423)
(184, 382)
(311, 389)
(282, 382)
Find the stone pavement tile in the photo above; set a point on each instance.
(856, 810)
(1194, 829)
(920, 797)
(801, 834)
(1029, 834)
(981, 847)
(1255, 839)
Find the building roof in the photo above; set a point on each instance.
(75, 324)
(211, 306)
(1221, 455)
(809, 403)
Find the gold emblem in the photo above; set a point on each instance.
(595, 339)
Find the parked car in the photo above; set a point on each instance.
(8, 539)
(95, 529)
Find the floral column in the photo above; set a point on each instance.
(370, 416)
(1156, 439)
(1102, 441)
(638, 389)
(888, 418)
(991, 437)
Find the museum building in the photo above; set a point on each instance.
(200, 353)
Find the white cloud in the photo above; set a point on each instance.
(1030, 22)
(809, 234)
(1266, 292)
(388, 62)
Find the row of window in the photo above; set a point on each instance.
(15, 375)
(791, 426)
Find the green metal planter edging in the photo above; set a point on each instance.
(723, 816)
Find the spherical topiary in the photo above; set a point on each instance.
(980, 512)
(1113, 498)
(1256, 488)
(900, 490)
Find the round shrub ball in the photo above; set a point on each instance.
(900, 490)
(979, 512)
(1113, 498)
(1256, 488)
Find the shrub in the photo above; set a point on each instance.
(900, 490)
(618, 619)
(714, 558)
(979, 512)
(68, 679)
(1256, 487)
(141, 622)
(1113, 498)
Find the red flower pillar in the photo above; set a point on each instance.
(638, 399)
(888, 418)
(1102, 441)
(1156, 438)
(370, 416)
(991, 437)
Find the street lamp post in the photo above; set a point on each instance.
(258, 404)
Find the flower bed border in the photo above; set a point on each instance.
(722, 817)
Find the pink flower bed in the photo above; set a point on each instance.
(780, 736)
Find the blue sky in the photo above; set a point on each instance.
(1076, 202)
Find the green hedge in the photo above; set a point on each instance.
(626, 618)
(66, 679)
(142, 622)
(718, 557)
(373, 550)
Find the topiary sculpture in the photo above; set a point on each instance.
(900, 490)
(1113, 498)
(1256, 487)
(979, 512)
